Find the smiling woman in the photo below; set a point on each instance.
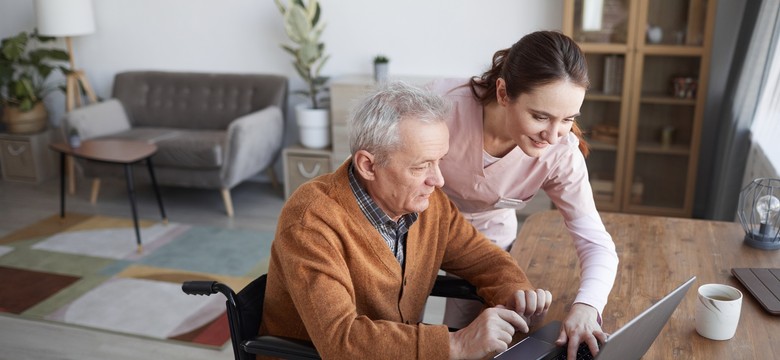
(516, 133)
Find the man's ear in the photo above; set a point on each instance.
(363, 161)
(501, 96)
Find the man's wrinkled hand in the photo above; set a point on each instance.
(491, 331)
(531, 304)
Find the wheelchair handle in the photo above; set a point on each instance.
(199, 287)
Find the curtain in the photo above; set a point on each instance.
(765, 131)
(747, 78)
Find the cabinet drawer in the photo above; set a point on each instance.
(300, 167)
(18, 160)
(26, 157)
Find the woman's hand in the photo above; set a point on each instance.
(581, 325)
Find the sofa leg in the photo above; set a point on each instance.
(272, 175)
(228, 202)
(95, 191)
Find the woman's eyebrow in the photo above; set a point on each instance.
(544, 113)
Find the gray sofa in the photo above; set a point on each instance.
(212, 131)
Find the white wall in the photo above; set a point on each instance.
(421, 37)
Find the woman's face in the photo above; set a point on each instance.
(540, 118)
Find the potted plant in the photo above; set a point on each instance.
(23, 75)
(303, 27)
(381, 65)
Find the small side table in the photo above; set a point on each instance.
(120, 152)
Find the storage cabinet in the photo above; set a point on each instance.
(301, 165)
(647, 60)
(26, 157)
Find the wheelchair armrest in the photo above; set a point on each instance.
(454, 288)
(281, 347)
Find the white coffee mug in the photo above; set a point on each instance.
(717, 311)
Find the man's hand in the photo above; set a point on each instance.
(532, 304)
(491, 331)
(580, 326)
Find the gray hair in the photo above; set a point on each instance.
(373, 125)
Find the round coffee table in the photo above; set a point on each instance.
(120, 152)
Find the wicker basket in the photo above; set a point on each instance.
(25, 122)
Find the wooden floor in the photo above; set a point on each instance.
(256, 205)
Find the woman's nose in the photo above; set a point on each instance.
(551, 134)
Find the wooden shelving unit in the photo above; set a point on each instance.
(649, 103)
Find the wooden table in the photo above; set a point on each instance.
(656, 255)
(120, 152)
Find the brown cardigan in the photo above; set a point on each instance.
(333, 280)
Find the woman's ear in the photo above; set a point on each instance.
(501, 95)
(363, 161)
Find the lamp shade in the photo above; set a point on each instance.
(759, 213)
(64, 17)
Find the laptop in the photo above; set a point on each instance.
(629, 342)
(764, 284)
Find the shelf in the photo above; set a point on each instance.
(666, 100)
(599, 96)
(654, 148)
(598, 145)
(671, 50)
(597, 48)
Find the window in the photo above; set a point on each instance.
(766, 124)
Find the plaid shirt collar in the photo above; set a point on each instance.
(394, 233)
(375, 215)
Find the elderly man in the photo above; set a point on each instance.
(357, 251)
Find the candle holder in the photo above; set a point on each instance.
(759, 213)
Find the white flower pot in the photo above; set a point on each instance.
(380, 72)
(313, 127)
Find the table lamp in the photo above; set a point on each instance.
(67, 18)
(759, 213)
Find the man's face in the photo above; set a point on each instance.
(404, 185)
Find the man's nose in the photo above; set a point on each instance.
(435, 177)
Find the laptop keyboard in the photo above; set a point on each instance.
(583, 353)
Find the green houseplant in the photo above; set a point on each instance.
(23, 75)
(303, 27)
(381, 65)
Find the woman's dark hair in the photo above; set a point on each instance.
(537, 59)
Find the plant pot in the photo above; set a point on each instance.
(25, 122)
(380, 72)
(313, 127)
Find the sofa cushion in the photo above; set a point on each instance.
(203, 149)
(203, 101)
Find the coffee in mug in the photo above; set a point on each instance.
(717, 311)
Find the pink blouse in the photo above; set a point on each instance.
(488, 193)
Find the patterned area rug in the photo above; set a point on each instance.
(85, 271)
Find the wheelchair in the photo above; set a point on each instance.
(244, 316)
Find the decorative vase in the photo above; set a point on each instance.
(654, 34)
(74, 140)
(313, 126)
(380, 72)
(25, 122)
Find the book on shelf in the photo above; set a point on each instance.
(613, 74)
